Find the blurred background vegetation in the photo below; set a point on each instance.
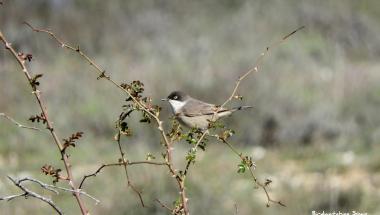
(314, 130)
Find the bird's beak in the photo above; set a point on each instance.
(165, 99)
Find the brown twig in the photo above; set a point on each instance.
(167, 142)
(17, 123)
(49, 125)
(124, 162)
(261, 185)
(195, 148)
(164, 205)
(94, 174)
(255, 68)
(102, 74)
(258, 64)
(29, 193)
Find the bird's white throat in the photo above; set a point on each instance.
(176, 105)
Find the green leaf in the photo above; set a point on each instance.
(241, 168)
(150, 156)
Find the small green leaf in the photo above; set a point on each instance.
(241, 168)
(191, 155)
(150, 156)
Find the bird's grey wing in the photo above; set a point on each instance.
(198, 108)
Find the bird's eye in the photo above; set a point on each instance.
(175, 97)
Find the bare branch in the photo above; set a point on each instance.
(22, 62)
(29, 193)
(117, 164)
(258, 64)
(164, 205)
(102, 74)
(180, 179)
(261, 185)
(255, 68)
(129, 183)
(54, 187)
(11, 197)
(19, 124)
(43, 185)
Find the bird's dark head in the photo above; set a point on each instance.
(178, 96)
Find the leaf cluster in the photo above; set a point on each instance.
(245, 164)
(38, 118)
(134, 103)
(50, 170)
(71, 140)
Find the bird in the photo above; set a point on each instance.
(194, 113)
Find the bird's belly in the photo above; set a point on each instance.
(195, 121)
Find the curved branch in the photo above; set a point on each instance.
(49, 124)
(29, 193)
(102, 74)
(255, 68)
(261, 185)
(96, 172)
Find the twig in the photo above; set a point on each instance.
(167, 143)
(53, 187)
(129, 183)
(164, 205)
(29, 193)
(19, 124)
(258, 64)
(49, 125)
(102, 74)
(195, 148)
(255, 68)
(117, 164)
(261, 185)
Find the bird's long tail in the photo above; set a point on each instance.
(228, 112)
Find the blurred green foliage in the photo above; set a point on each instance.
(314, 130)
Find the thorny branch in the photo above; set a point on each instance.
(255, 68)
(129, 183)
(164, 205)
(258, 64)
(28, 193)
(22, 62)
(102, 74)
(168, 143)
(261, 185)
(95, 173)
(54, 188)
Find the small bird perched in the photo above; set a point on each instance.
(194, 113)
